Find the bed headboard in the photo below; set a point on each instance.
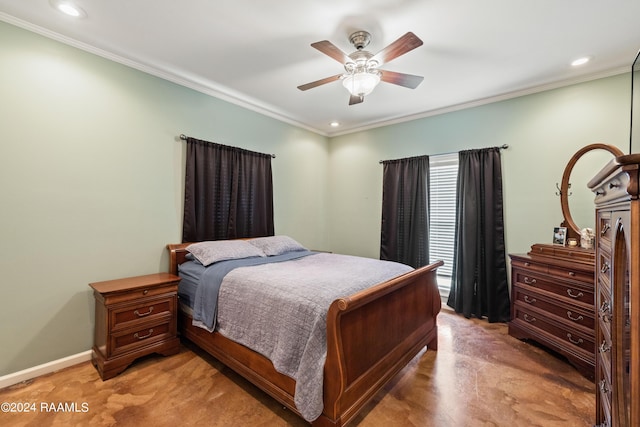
(177, 255)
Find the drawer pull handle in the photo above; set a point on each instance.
(613, 185)
(605, 311)
(605, 267)
(603, 387)
(605, 228)
(604, 347)
(141, 337)
(527, 264)
(578, 341)
(146, 291)
(529, 300)
(599, 192)
(572, 274)
(572, 295)
(144, 314)
(575, 319)
(529, 281)
(529, 319)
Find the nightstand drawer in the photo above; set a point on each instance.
(133, 339)
(144, 311)
(137, 294)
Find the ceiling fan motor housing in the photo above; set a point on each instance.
(360, 39)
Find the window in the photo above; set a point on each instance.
(443, 174)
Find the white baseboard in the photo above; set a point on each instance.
(45, 368)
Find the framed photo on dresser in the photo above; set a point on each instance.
(559, 235)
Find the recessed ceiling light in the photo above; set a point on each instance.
(68, 8)
(581, 61)
(334, 124)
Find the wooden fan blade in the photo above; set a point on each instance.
(401, 79)
(329, 49)
(399, 47)
(320, 82)
(356, 99)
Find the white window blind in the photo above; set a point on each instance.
(443, 173)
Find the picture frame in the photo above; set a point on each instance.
(560, 236)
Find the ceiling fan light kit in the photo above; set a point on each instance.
(361, 84)
(361, 67)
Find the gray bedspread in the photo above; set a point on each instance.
(280, 310)
(205, 302)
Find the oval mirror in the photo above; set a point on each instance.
(592, 158)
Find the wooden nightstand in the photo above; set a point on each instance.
(135, 316)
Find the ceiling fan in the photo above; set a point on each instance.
(362, 74)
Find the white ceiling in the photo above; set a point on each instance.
(256, 52)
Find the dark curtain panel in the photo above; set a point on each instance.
(405, 211)
(479, 286)
(228, 193)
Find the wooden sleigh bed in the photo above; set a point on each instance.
(371, 336)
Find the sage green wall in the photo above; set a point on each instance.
(91, 184)
(91, 176)
(543, 132)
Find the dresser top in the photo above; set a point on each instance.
(132, 283)
(566, 252)
(566, 256)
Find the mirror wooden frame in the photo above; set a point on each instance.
(572, 228)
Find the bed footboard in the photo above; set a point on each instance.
(372, 335)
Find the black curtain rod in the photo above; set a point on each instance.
(184, 138)
(502, 147)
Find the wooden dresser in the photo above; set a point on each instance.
(552, 301)
(135, 316)
(617, 190)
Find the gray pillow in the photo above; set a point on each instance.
(220, 250)
(276, 245)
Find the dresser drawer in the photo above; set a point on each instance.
(604, 349)
(604, 229)
(565, 252)
(144, 310)
(603, 390)
(136, 338)
(614, 190)
(603, 267)
(529, 265)
(568, 291)
(573, 274)
(552, 301)
(604, 310)
(576, 315)
(566, 338)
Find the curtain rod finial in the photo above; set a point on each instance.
(183, 137)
